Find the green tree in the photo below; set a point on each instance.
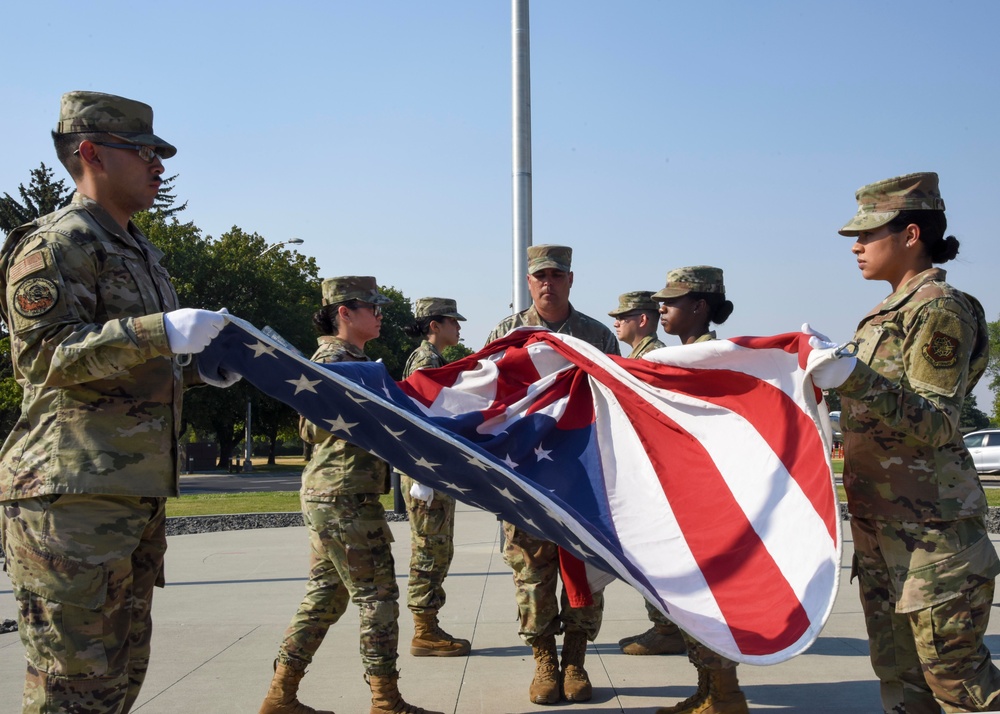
(10, 390)
(165, 199)
(993, 370)
(42, 196)
(972, 417)
(266, 286)
(455, 352)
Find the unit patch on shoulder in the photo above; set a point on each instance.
(942, 350)
(35, 297)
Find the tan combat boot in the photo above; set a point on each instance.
(659, 639)
(544, 687)
(386, 698)
(280, 698)
(724, 695)
(694, 700)
(576, 683)
(429, 640)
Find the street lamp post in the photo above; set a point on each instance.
(248, 451)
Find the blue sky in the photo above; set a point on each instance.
(664, 134)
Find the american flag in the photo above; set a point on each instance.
(700, 474)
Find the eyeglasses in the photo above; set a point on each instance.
(146, 153)
(376, 309)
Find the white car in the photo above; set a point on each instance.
(835, 425)
(984, 445)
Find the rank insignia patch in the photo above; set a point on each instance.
(942, 350)
(35, 297)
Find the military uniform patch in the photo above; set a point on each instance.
(35, 296)
(942, 350)
(31, 264)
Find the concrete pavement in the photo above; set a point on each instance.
(230, 595)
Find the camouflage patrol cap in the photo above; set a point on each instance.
(880, 202)
(635, 301)
(541, 257)
(126, 119)
(693, 279)
(436, 307)
(353, 287)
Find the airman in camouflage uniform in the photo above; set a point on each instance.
(350, 540)
(925, 564)
(535, 561)
(636, 320)
(693, 298)
(431, 513)
(86, 470)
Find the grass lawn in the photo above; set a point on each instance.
(215, 504)
(285, 501)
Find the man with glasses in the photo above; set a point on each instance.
(636, 319)
(86, 470)
(535, 562)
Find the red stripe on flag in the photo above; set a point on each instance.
(770, 412)
(731, 546)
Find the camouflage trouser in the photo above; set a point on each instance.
(83, 568)
(927, 589)
(657, 617)
(432, 547)
(701, 656)
(536, 575)
(351, 556)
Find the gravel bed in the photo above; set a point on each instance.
(188, 525)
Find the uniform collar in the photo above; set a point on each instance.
(428, 345)
(105, 220)
(342, 344)
(907, 289)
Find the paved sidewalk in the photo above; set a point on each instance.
(230, 595)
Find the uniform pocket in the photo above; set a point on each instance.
(946, 579)
(57, 578)
(369, 549)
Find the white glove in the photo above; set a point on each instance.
(828, 371)
(810, 331)
(421, 492)
(220, 379)
(189, 331)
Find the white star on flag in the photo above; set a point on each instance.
(339, 424)
(260, 349)
(508, 495)
(477, 463)
(303, 384)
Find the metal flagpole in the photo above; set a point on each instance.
(521, 70)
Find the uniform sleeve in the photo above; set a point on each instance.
(52, 298)
(926, 401)
(421, 359)
(497, 333)
(312, 434)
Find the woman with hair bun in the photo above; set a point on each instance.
(693, 299)
(431, 513)
(924, 561)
